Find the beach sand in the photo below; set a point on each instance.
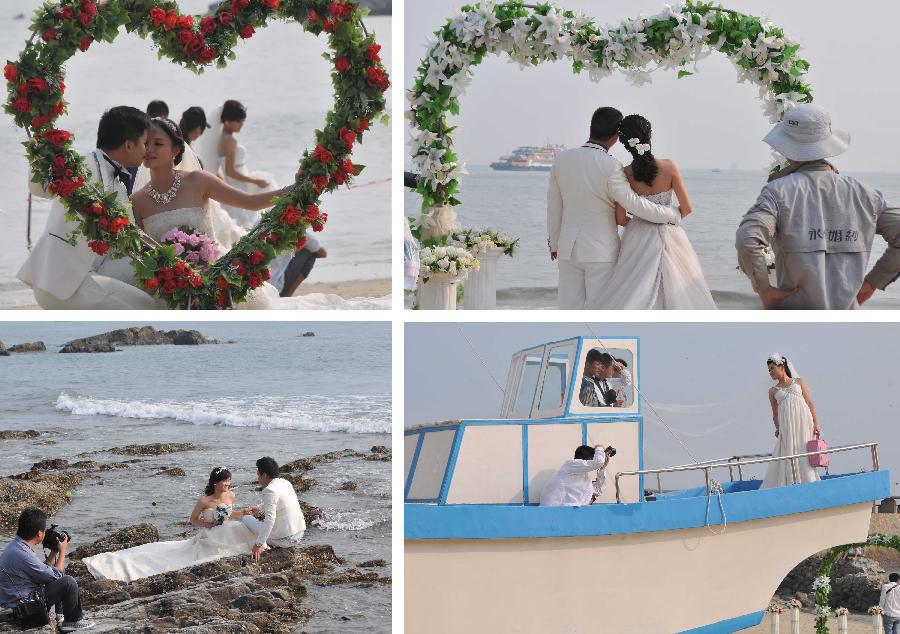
(856, 624)
(349, 289)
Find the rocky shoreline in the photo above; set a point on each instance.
(234, 594)
(112, 341)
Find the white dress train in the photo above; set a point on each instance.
(244, 218)
(656, 269)
(209, 544)
(795, 429)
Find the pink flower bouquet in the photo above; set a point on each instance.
(198, 249)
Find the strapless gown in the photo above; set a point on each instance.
(263, 298)
(209, 544)
(244, 218)
(657, 268)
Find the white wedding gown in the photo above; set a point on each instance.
(657, 268)
(209, 544)
(795, 429)
(244, 218)
(201, 219)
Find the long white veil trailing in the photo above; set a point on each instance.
(208, 144)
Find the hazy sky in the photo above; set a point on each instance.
(850, 369)
(707, 120)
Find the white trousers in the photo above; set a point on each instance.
(581, 284)
(281, 542)
(99, 292)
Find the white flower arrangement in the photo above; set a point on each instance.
(875, 611)
(822, 581)
(678, 36)
(482, 240)
(822, 611)
(841, 612)
(450, 260)
(775, 608)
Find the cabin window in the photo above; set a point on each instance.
(615, 390)
(429, 469)
(556, 377)
(531, 371)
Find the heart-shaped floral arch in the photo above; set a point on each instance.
(763, 54)
(36, 86)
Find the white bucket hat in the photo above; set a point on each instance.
(806, 134)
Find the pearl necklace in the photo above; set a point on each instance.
(169, 196)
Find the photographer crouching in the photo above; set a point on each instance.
(572, 485)
(30, 586)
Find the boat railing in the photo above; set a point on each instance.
(740, 461)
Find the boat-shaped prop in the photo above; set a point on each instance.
(481, 555)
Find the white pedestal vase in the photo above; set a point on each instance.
(842, 624)
(795, 620)
(877, 624)
(774, 623)
(481, 286)
(436, 222)
(438, 293)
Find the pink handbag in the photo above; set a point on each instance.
(821, 459)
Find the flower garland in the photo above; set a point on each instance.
(453, 261)
(483, 240)
(762, 53)
(35, 85)
(822, 583)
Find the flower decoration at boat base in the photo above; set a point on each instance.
(482, 240)
(450, 260)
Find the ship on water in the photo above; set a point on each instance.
(529, 158)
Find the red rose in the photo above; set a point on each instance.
(222, 283)
(59, 162)
(185, 22)
(247, 31)
(340, 10)
(21, 104)
(98, 247)
(103, 223)
(339, 177)
(85, 44)
(372, 53)
(342, 64)
(39, 122)
(301, 242)
(118, 224)
(290, 216)
(206, 56)
(49, 34)
(320, 182)
(348, 136)
(171, 19)
(347, 166)
(266, 275)
(256, 257)
(330, 25)
(38, 84)
(85, 18)
(88, 7)
(238, 267)
(318, 227)
(62, 85)
(158, 16)
(321, 154)
(313, 16)
(96, 207)
(11, 73)
(254, 281)
(363, 125)
(169, 287)
(23, 89)
(66, 13)
(57, 137)
(196, 281)
(208, 24)
(312, 212)
(272, 4)
(225, 18)
(178, 267)
(181, 283)
(57, 109)
(185, 37)
(166, 273)
(376, 79)
(151, 284)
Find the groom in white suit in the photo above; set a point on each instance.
(585, 184)
(66, 276)
(283, 524)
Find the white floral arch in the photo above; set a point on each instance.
(682, 34)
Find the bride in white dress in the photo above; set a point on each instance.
(657, 267)
(219, 536)
(174, 198)
(795, 421)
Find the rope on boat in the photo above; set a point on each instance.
(715, 488)
(479, 357)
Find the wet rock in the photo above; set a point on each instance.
(35, 346)
(311, 513)
(175, 472)
(8, 434)
(309, 333)
(142, 336)
(125, 538)
(299, 483)
(113, 466)
(3, 351)
(152, 449)
(50, 464)
(377, 457)
(259, 602)
(374, 563)
(35, 489)
(85, 464)
(348, 486)
(353, 576)
(380, 449)
(305, 464)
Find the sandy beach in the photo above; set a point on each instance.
(349, 289)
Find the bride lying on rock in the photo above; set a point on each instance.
(219, 536)
(190, 197)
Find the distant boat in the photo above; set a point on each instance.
(716, 170)
(529, 158)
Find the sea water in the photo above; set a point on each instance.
(516, 202)
(268, 391)
(281, 77)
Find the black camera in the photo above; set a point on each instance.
(610, 451)
(52, 538)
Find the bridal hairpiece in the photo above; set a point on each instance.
(641, 148)
(169, 124)
(776, 358)
(219, 470)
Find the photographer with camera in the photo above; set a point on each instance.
(600, 371)
(571, 485)
(24, 577)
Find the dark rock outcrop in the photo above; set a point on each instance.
(24, 434)
(50, 464)
(39, 489)
(35, 346)
(349, 486)
(142, 336)
(300, 484)
(309, 333)
(3, 351)
(175, 472)
(152, 449)
(126, 538)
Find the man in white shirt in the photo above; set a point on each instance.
(283, 524)
(571, 485)
(890, 603)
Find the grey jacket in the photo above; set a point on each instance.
(821, 226)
